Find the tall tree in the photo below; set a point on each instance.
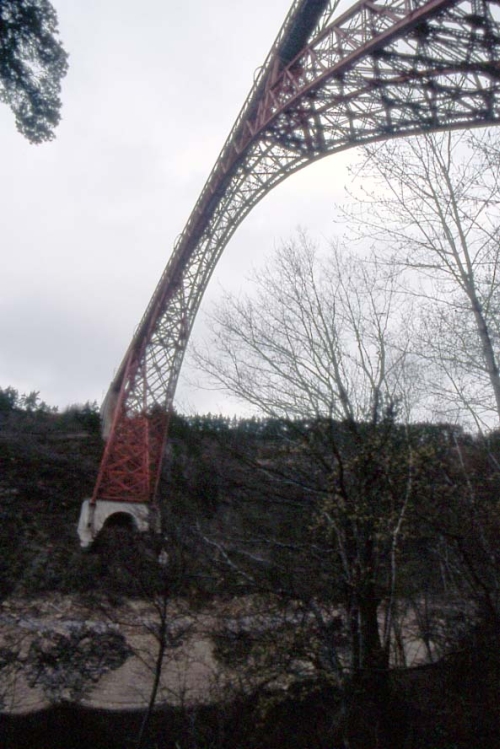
(32, 64)
(434, 212)
(316, 347)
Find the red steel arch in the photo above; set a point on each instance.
(384, 68)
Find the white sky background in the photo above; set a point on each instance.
(87, 222)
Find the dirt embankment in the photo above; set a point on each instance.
(58, 649)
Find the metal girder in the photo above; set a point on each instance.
(382, 69)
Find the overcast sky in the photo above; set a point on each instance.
(88, 221)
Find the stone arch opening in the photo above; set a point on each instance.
(121, 519)
(110, 514)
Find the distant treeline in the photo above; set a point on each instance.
(21, 410)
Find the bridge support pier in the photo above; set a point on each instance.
(93, 517)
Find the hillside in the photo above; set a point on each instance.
(244, 592)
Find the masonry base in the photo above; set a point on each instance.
(94, 516)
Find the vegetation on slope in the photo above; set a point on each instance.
(244, 515)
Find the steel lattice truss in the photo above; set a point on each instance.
(380, 70)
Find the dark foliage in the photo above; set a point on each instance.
(244, 498)
(32, 64)
(48, 464)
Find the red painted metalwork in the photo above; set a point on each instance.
(380, 70)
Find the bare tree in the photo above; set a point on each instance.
(319, 346)
(432, 209)
(316, 340)
(433, 212)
